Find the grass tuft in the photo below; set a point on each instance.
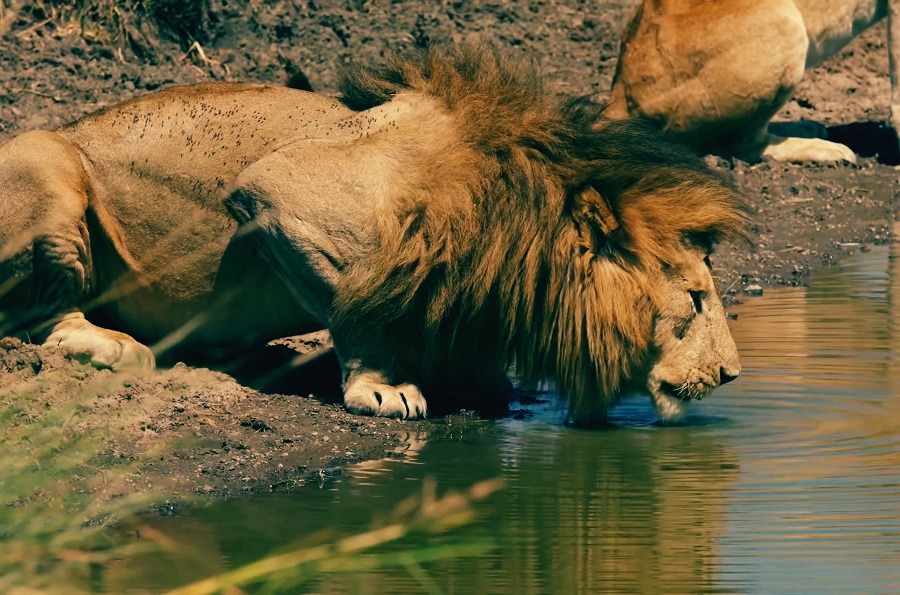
(421, 514)
(58, 498)
(133, 24)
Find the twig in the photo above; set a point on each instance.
(33, 28)
(38, 93)
(730, 287)
(196, 47)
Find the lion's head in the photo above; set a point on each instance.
(692, 349)
(574, 246)
(646, 303)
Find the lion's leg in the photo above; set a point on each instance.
(471, 375)
(759, 143)
(801, 142)
(372, 387)
(312, 241)
(798, 149)
(305, 262)
(371, 391)
(45, 255)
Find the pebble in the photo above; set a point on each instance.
(753, 290)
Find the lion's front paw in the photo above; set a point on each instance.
(367, 396)
(100, 347)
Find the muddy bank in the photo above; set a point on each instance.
(193, 430)
(232, 434)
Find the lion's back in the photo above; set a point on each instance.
(193, 140)
(162, 162)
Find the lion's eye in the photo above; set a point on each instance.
(707, 261)
(697, 297)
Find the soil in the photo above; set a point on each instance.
(233, 433)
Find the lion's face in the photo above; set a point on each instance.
(692, 346)
(646, 306)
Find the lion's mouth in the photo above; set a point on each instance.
(674, 392)
(671, 400)
(683, 392)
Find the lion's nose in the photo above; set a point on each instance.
(725, 377)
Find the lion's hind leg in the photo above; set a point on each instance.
(100, 347)
(45, 253)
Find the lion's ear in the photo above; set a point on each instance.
(594, 219)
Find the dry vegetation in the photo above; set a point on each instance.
(135, 24)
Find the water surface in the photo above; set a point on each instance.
(787, 480)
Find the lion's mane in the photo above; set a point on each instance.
(497, 259)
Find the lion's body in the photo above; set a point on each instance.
(431, 228)
(714, 73)
(160, 207)
(163, 207)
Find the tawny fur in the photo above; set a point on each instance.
(449, 218)
(500, 256)
(713, 74)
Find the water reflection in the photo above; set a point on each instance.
(626, 510)
(817, 503)
(784, 481)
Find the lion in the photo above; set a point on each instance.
(713, 74)
(444, 218)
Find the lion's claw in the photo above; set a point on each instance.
(370, 397)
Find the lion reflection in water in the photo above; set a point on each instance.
(443, 218)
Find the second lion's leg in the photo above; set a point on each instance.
(45, 254)
(800, 150)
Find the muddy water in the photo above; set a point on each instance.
(787, 480)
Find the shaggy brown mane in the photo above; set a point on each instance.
(505, 260)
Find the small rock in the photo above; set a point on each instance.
(753, 290)
(256, 424)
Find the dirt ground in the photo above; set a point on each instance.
(232, 436)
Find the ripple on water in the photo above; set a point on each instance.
(817, 503)
(787, 480)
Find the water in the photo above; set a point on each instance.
(787, 480)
